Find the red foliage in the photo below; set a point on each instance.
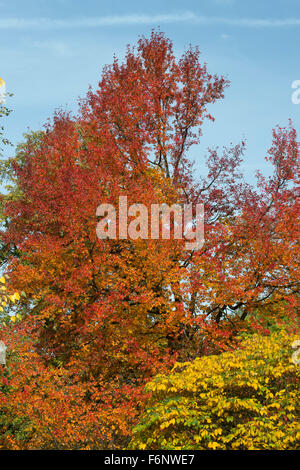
(104, 316)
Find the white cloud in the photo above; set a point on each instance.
(93, 22)
(127, 20)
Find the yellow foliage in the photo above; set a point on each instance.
(245, 399)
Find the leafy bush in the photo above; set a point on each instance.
(245, 399)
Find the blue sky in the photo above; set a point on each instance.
(52, 50)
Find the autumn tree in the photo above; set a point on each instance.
(113, 313)
(130, 138)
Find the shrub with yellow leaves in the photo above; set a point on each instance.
(247, 399)
(6, 298)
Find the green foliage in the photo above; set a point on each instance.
(32, 140)
(11, 190)
(245, 399)
(4, 111)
